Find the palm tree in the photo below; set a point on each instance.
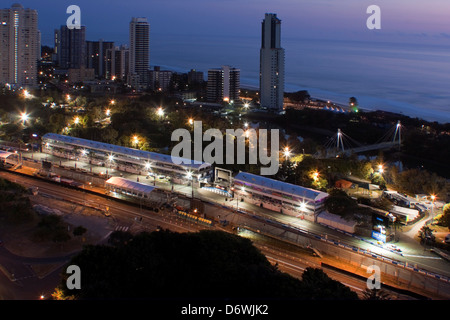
(376, 294)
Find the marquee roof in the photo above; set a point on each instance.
(114, 149)
(129, 185)
(281, 187)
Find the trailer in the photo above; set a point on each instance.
(335, 221)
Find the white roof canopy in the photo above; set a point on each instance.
(279, 186)
(126, 184)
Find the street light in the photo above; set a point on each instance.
(191, 121)
(26, 94)
(135, 140)
(24, 117)
(380, 168)
(433, 198)
(315, 175)
(108, 112)
(302, 206)
(76, 120)
(287, 153)
(160, 112)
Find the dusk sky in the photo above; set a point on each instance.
(109, 19)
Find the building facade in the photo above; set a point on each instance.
(20, 46)
(160, 79)
(80, 75)
(195, 76)
(96, 56)
(279, 196)
(70, 47)
(139, 53)
(223, 84)
(117, 63)
(271, 81)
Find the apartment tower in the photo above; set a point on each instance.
(271, 80)
(20, 46)
(139, 53)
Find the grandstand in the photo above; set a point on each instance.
(123, 158)
(279, 196)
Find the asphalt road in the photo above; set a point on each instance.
(412, 251)
(26, 285)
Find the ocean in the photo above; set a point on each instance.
(408, 78)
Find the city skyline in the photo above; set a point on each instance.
(305, 167)
(392, 54)
(323, 19)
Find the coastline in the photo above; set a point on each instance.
(442, 117)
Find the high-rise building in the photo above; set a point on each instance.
(70, 47)
(160, 79)
(271, 79)
(195, 76)
(117, 63)
(139, 53)
(19, 46)
(223, 84)
(96, 56)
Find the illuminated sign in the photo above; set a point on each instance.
(379, 236)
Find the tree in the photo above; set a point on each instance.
(120, 238)
(52, 227)
(320, 286)
(211, 264)
(78, 231)
(445, 217)
(338, 202)
(426, 234)
(376, 294)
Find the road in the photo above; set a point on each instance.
(295, 263)
(125, 215)
(26, 284)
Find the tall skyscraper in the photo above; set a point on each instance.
(223, 84)
(70, 46)
(96, 56)
(19, 46)
(139, 53)
(271, 79)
